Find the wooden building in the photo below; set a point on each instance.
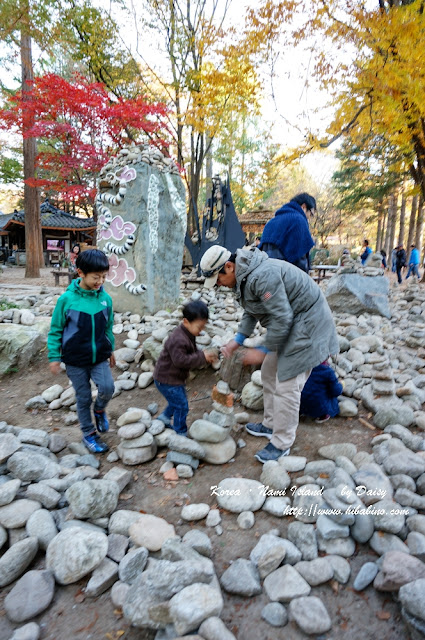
(60, 231)
(253, 222)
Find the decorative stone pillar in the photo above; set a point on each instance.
(141, 227)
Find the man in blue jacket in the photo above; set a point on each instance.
(366, 251)
(413, 261)
(287, 236)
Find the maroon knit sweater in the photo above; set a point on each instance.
(178, 356)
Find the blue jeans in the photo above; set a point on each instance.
(413, 268)
(80, 378)
(178, 405)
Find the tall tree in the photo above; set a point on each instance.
(381, 89)
(78, 126)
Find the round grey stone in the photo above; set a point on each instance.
(275, 614)
(74, 553)
(93, 498)
(365, 576)
(241, 578)
(41, 525)
(195, 511)
(310, 615)
(16, 514)
(31, 595)
(16, 559)
(132, 564)
(240, 494)
(30, 631)
(246, 520)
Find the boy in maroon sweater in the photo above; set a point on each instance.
(179, 355)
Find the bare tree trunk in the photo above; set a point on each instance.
(380, 229)
(419, 226)
(412, 222)
(392, 223)
(402, 230)
(33, 243)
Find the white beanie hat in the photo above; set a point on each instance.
(212, 262)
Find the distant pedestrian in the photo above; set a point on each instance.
(366, 251)
(384, 258)
(400, 262)
(413, 261)
(394, 259)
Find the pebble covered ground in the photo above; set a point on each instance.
(342, 516)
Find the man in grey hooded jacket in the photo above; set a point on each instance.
(300, 333)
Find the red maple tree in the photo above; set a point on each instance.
(78, 126)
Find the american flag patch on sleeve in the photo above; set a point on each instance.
(267, 296)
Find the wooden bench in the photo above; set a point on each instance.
(59, 274)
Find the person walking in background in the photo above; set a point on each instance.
(394, 259)
(287, 235)
(300, 334)
(366, 251)
(384, 258)
(319, 398)
(400, 262)
(413, 261)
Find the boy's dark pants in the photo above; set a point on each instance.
(178, 405)
(80, 378)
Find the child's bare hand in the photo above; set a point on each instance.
(210, 356)
(55, 368)
(112, 361)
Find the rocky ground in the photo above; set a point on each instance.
(73, 525)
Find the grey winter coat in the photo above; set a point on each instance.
(286, 301)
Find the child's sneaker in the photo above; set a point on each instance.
(94, 443)
(164, 419)
(102, 422)
(324, 418)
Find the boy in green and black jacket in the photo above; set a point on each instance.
(81, 337)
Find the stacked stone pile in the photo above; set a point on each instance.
(209, 438)
(348, 496)
(132, 155)
(27, 309)
(373, 266)
(61, 507)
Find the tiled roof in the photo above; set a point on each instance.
(4, 219)
(51, 217)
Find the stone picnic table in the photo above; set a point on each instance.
(321, 270)
(58, 273)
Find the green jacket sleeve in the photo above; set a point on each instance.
(54, 339)
(109, 333)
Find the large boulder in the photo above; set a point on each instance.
(356, 294)
(19, 343)
(141, 226)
